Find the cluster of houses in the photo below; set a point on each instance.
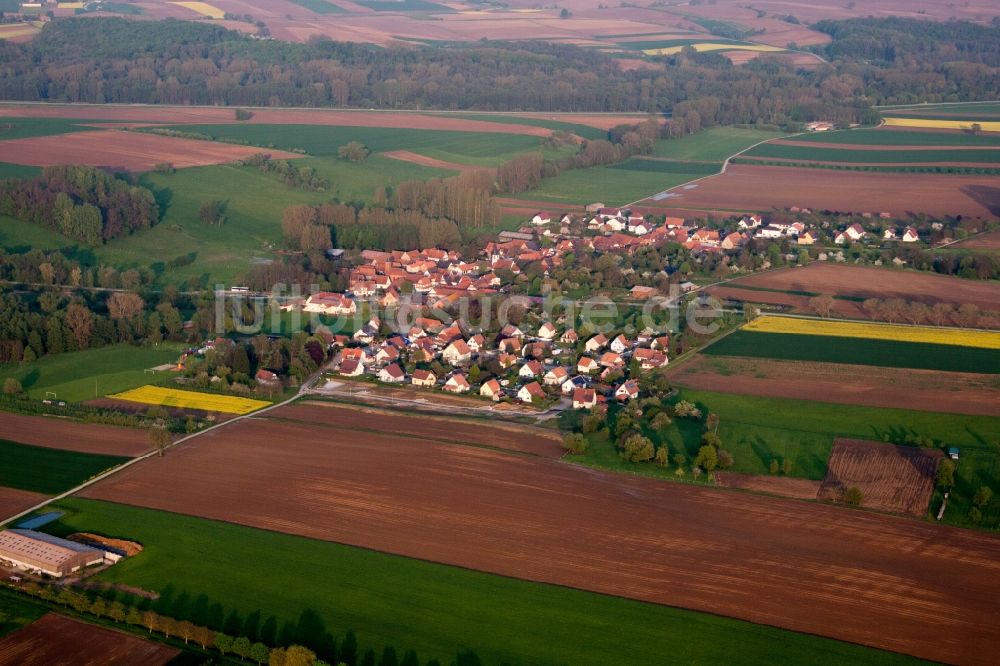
(527, 368)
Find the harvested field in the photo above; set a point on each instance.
(500, 436)
(423, 160)
(131, 151)
(869, 578)
(930, 390)
(873, 282)
(750, 187)
(55, 640)
(175, 115)
(14, 501)
(899, 479)
(57, 433)
(783, 486)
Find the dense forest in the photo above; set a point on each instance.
(85, 204)
(174, 62)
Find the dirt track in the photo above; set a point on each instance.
(952, 392)
(56, 433)
(888, 582)
(132, 151)
(751, 187)
(55, 640)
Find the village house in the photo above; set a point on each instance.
(596, 343)
(330, 303)
(556, 376)
(529, 393)
(267, 378)
(640, 292)
(807, 238)
(584, 398)
(627, 391)
(586, 365)
(457, 353)
(350, 368)
(386, 354)
(540, 219)
(547, 331)
(910, 235)
(457, 383)
(611, 360)
(391, 374)
(569, 337)
(577, 382)
(423, 378)
(491, 390)
(507, 360)
(530, 369)
(619, 344)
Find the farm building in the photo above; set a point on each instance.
(35, 551)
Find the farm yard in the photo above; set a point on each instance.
(499, 619)
(453, 503)
(899, 479)
(181, 399)
(52, 638)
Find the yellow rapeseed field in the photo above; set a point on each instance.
(702, 47)
(203, 8)
(169, 397)
(934, 123)
(875, 331)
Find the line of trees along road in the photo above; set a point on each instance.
(113, 60)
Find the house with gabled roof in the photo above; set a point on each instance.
(547, 331)
(457, 352)
(457, 383)
(555, 376)
(530, 393)
(491, 390)
(627, 391)
(530, 369)
(391, 374)
(596, 343)
(584, 398)
(424, 378)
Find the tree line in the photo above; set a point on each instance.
(113, 60)
(318, 647)
(82, 203)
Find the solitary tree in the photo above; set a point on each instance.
(822, 305)
(159, 439)
(853, 496)
(11, 386)
(353, 151)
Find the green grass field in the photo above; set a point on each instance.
(885, 353)
(255, 202)
(477, 148)
(16, 235)
(612, 185)
(23, 128)
(8, 170)
(847, 155)
(320, 6)
(48, 471)
(668, 166)
(84, 375)
(584, 131)
(755, 432)
(901, 137)
(436, 610)
(711, 145)
(17, 611)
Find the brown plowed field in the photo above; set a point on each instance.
(988, 241)
(55, 640)
(501, 436)
(800, 304)
(14, 501)
(423, 160)
(892, 478)
(784, 486)
(942, 163)
(952, 392)
(56, 433)
(873, 282)
(751, 187)
(132, 151)
(177, 115)
(875, 579)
